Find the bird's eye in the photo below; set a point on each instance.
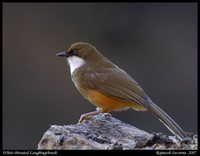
(74, 52)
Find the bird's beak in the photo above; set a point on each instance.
(63, 54)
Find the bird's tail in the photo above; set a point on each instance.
(167, 121)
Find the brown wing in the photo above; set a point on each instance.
(116, 83)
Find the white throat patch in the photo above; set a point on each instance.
(75, 62)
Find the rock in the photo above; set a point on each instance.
(98, 132)
(103, 132)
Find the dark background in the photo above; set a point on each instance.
(156, 43)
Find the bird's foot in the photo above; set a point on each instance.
(88, 115)
(107, 115)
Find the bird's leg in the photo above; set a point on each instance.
(86, 115)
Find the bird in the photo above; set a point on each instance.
(108, 87)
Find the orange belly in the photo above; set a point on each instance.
(107, 103)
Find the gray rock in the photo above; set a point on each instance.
(103, 132)
(98, 132)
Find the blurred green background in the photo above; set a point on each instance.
(156, 43)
